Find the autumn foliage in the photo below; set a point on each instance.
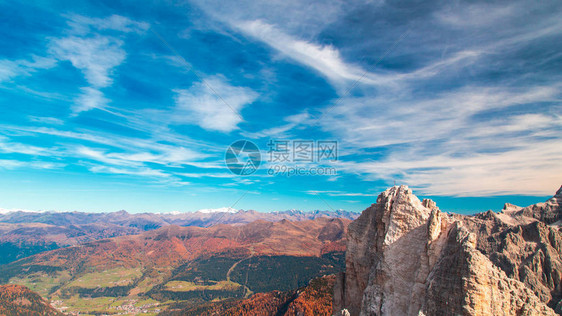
(17, 300)
(312, 300)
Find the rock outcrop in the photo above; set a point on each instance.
(405, 257)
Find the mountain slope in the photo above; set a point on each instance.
(315, 299)
(16, 300)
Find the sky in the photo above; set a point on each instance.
(111, 105)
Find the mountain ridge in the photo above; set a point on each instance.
(26, 233)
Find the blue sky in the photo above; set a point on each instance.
(110, 105)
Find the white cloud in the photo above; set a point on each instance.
(213, 105)
(328, 61)
(94, 56)
(89, 99)
(154, 150)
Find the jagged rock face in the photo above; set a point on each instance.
(524, 247)
(396, 213)
(405, 257)
(548, 212)
(387, 251)
(466, 282)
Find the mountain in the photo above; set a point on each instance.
(175, 266)
(315, 299)
(25, 239)
(17, 300)
(148, 221)
(26, 233)
(405, 257)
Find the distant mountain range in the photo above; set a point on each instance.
(148, 221)
(24, 233)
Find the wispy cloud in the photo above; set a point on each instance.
(83, 24)
(90, 98)
(45, 120)
(10, 69)
(9, 147)
(337, 193)
(96, 55)
(118, 155)
(16, 164)
(530, 169)
(292, 122)
(467, 103)
(325, 59)
(444, 139)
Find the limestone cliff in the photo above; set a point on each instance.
(405, 257)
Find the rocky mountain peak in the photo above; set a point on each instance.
(406, 257)
(549, 212)
(380, 240)
(508, 207)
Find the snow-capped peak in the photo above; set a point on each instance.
(218, 210)
(14, 210)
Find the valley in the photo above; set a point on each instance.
(181, 267)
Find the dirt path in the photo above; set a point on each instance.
(247, 290)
